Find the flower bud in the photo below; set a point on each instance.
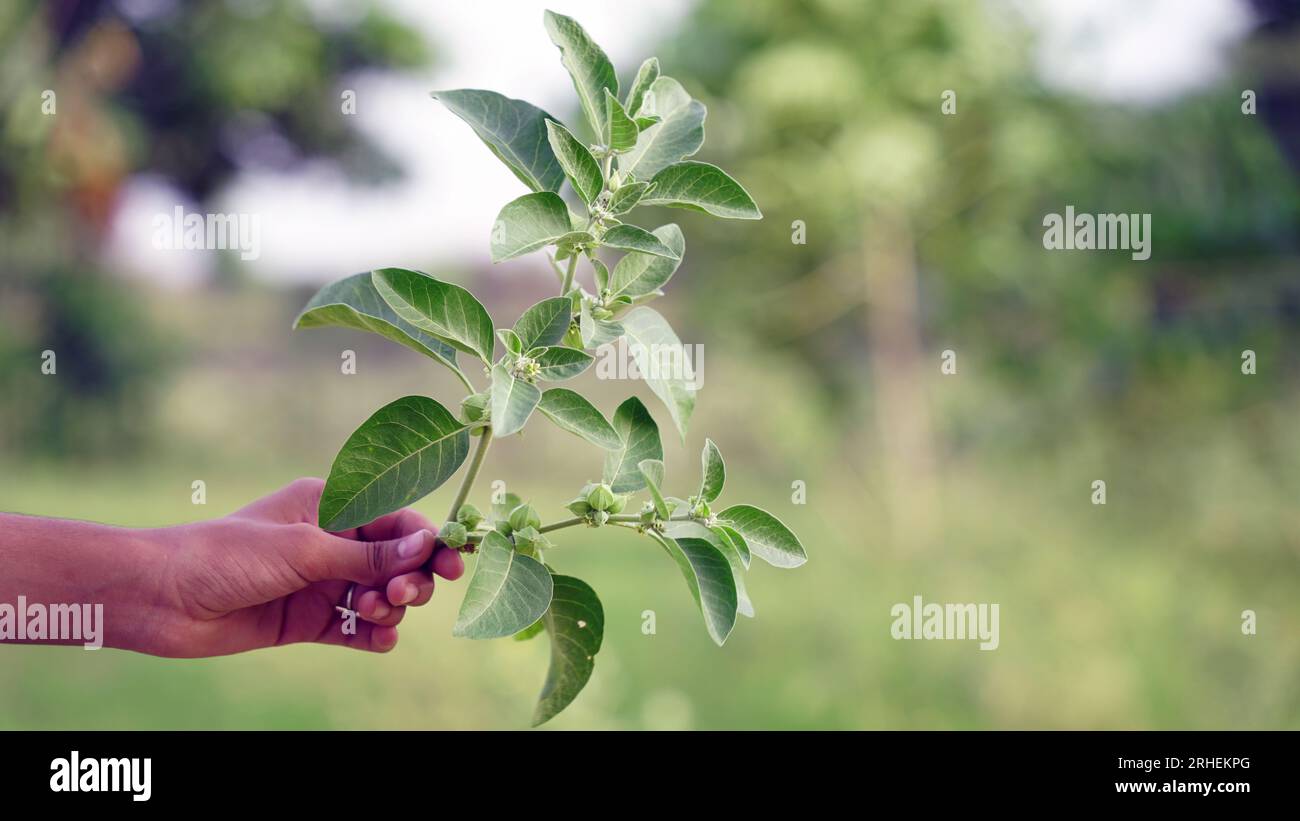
(524, 516)
(469, 516)
(453, 534)
(601, 497)
(598, 518)
(620, 502)
(474, 408)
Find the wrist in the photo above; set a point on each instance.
(109, 576)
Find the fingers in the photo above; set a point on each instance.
(373, 606)
(410, 589)
(393, 525)
(319, 556)
(448, 564)
(373, 638)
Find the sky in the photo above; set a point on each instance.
(315, 227)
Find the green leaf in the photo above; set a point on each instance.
(698, 186)
(545, 323)
(712, 582)
(639, 440)
(531, 222)
(513, 129)
(513, 401)
(447, 311)
(678, 135)
(652, 471)
(576, 623)
(353, 302)
(400, 454)
(645, 77)
(620, 128)
(767, 537)
(572, 412)
(591, 70)
(536, 628)
(715, 471)
(597, 332)
(560, 363)
(640, 274)
(600, 273)
(662, 361)
(508, 593)
(511, 340)
(632, 238)
(731, 548)
(642, 123)
(579, 166)
(627, 197)
(737, 541)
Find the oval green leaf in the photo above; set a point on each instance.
(711, 580)
(531, 222)
(514, 130)
(544, 323)
(579, 166)
(575, 622)
(513, 401)
(640, 274)
(447, 311)
(508, 593)
(632, 238)
(353, 302)
(698, 186)
(400, 454)
(591, 70)
(715, 471)
(639, 440)
(768, 538)
(572, 412)
(662, 361)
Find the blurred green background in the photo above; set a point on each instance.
(821, 366)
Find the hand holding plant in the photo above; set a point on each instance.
(637, 155)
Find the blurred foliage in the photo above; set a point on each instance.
(829, 110)
(191, 92)
(1073, 366)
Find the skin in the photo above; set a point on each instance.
(264, 576)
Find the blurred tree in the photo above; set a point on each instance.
(94, 92)
(924, 223)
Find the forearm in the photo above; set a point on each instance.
(78, 576)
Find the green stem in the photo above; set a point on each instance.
(467, 481)
(568, 275)
(620, 518)
(555, 266)
(469, 386)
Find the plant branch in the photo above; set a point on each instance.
(467, 481)
(620, 518)
(568, 275)
(469, 386)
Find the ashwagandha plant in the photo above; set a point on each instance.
(638, 156)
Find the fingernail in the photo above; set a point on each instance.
(381, 611)
(411, 545)
(409, 592)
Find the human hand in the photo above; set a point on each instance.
(266, 575)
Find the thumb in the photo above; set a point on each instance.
(327, 556)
